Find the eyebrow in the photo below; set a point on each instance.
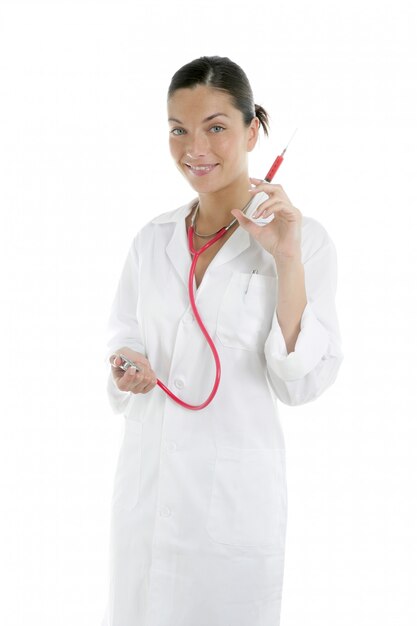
(207, 119)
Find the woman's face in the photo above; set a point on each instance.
(208, 139)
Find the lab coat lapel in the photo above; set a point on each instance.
(177, 249)
(180, 257)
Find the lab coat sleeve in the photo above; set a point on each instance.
(123, 326)
(304, 374)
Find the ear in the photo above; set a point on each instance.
(253, 133)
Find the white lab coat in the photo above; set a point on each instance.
(199, 506)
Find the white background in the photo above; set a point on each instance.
(84, 148)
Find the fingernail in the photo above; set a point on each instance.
(131, 369)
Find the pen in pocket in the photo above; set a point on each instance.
(247, 286)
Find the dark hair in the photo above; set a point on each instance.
(223, 74)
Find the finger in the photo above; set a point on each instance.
(115, 360)
(267, 188)
(262, 207)
(246, 223)
(255, 188)
(145, 385)
(275, 191)
(283, 212)
(132, 376)
(143, 378)
(267, 204)
(148, 387)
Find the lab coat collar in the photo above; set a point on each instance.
(177, 247)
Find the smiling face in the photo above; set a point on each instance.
(208, 139)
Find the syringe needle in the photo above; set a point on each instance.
(268, 178)
(289, 141)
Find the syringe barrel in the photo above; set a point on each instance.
(274, 168)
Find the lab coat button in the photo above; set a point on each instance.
(179, 383)
(164, 512)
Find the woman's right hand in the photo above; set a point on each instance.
(131, 379)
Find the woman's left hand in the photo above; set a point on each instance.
(282, 236)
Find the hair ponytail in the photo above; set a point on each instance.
(263, 117)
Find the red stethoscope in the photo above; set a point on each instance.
(196, 254)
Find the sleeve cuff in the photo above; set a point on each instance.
(118, 400)
(311, 345)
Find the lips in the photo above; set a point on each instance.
(201, 170)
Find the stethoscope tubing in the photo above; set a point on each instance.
(196, 254)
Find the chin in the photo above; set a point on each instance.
(205, 186)
(202, 186)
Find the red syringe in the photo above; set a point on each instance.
(277, 162)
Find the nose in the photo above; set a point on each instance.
(197, 145)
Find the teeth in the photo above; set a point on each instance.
(201, 167)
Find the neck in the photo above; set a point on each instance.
(215, 207)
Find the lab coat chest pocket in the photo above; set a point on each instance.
(127, 476)
(246, 311)
(248, 504)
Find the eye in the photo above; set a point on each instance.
(174, 131)
(217, 128)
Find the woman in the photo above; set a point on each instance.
(199, 506)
